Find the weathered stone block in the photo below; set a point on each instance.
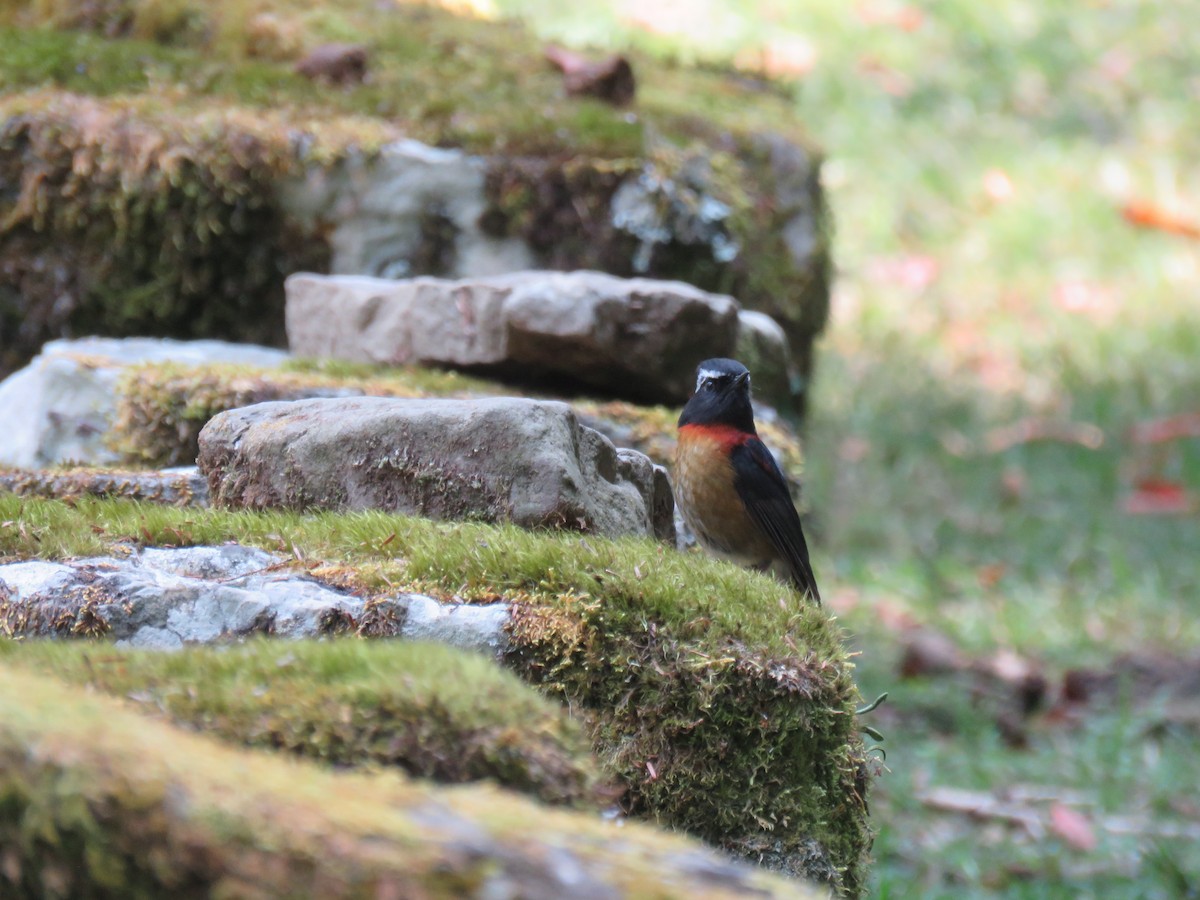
(500, 460)
(632, 337)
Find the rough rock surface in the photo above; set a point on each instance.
(57, 409)
(636, 338)
(167, 598)
(411, 209)
(183, 486)
(500, 459)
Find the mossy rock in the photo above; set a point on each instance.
(723, 705)
(432, 711)
(162, 408)
(97, 800)
(141, 209)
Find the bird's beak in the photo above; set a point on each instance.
(742, 379)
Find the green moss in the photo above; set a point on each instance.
(179, 489)
(161, 408)
(724, 705)
(113, 803)
(120, 224)
(556, 161)
(433, 711)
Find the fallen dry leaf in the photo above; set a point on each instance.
(340, 64)
(928, 652)
(1026, 431)
(1171, 428)
(609, 79)
(1155, 497)
(1150, 215)
(1072, 827)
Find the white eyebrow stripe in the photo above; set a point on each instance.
(707, 373)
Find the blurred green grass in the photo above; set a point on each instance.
(979, 156)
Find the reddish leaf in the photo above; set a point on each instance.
(1026, 431)
(989, 576)
(1073, 827)
(1149, 215)
(1171, 428)
(1153, 497)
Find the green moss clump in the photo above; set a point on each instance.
(178, 489)
(754, 751)
(119, 224)
(430, 710)
(202, 248)
(723, 705)
(161, 408)
(719, 220)
(115, 804)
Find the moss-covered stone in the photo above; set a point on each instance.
(193, 217)
(98, 801)
(162, 408)
(723, 705)
(433, 711)
(117, 224)
(744, 747)
(178, 489)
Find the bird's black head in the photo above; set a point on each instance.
(722, 396)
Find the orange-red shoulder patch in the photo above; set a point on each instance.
(726, 436)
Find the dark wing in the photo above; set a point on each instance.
(763, 489)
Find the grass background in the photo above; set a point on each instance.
(979, 158)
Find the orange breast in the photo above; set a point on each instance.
(704, 490)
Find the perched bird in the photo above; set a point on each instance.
(728, 485)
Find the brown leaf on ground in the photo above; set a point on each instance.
(1008, 686)
(1151, 215)
(1073, 827)
(1029, 430)
(1155, 497)
(609, 79)
(340, 64)
(1170, 428)
(1143, 674)
(928, 652)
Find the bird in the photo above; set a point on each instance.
(728, 486)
